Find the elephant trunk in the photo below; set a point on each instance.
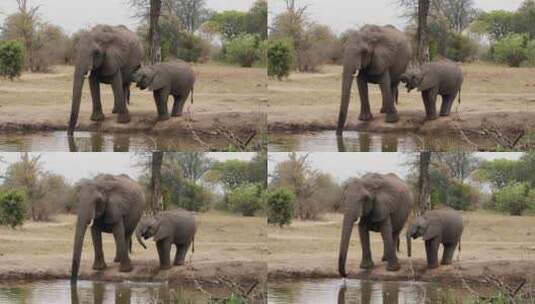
(78, 84)
(140, 239)
(347, 80)
(347, 228)
(81, 226)
(409, 244)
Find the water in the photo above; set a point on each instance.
(327, 291)
(352, 141)
(103, 142)
(61, 292)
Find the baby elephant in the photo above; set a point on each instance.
(169, 78)
(435, 227)
(168, 228)
(443, 78)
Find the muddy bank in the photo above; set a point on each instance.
(245, 273)
(458, 273)
(204, 123)
(411, 121)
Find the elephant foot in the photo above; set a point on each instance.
(163, 117)
(366, 264)
(116, 259)
(99, 265)
(97, 116)
(176, 114)
(432, 266)
(431, 117)
(391, 117)
(126, 267)
(444, 114)
(123, 118)
(115, 110)
(445, 263)
(383, 110)
(165, 267)
(365, 116)
(384, 259)
(393, 266)
(178, 263)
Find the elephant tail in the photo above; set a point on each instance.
(460, 90)
(459, 256)
(193, 244)
(192, 90)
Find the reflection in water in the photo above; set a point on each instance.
(328, 141)
(62, 292)
(102, 142)
(355, 291)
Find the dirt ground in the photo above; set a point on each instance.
(497, 244)
(311, 102)
(226, 246)
(225, 95)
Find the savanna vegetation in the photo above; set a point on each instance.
(459, 180)
(188, 30)
(192, 181)
(453, 29)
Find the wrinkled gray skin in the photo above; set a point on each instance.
(379, 54)
(111, 204)
(382, 202)
(110, 54)
(444, 226)
(164, 79)
(443, 78)
(166, 229)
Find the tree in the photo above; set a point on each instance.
(154, 31)
(11, 59)
(424, 183)
(12, 208)
(231, 173)
(155, 185)
(498, 172)
(256, 19)
(229, 24)
(193, 165)
(459, 164)
(422, 48)
(280, 207)
(280, 58)
(497, 24)
(191, 13)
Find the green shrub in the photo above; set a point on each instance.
(12, 208)
(184, 194)
(192, 48)
(280, 206)
(245, 199)
(462, 196)
(280, 58)
(512, 50)
(242, 50)
(512, 199)
(461, 48)
(11, 59)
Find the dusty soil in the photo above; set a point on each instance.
(497, 244)
(498, 93)
(226, 247)
(224, 96)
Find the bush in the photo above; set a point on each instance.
(461, 48)
(512, 50)
(280, 59)
(192, 48)
(512, 199)
(12, 208)
(245, 199)
(11, 59)
(280, 205)
(242, 50)
(183, 193)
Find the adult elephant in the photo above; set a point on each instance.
(380, 54)
(110, 54)
(111, 204)
(382, 202)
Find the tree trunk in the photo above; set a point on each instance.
(154, 31)
(422, 51)
(156, 195)
(424, 184)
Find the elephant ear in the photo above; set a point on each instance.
(158, 81)
(427, 80)
(163, 231)
(433, 229)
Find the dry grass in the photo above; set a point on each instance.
(306, 246)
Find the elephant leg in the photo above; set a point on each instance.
(121, 245)
(94, 86)
(364, 234)
(431, 250)
(447, 103)
(164, 251)
(180, 256)
(96, 236)
(365, 111)
(128, 238)
(178, 105)
(447, 256)
(127, 93)
(395, 95)
(389, 246)
(119, 100)
(160, 97)
(430, 100)
(395, 237)
(388, 99)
